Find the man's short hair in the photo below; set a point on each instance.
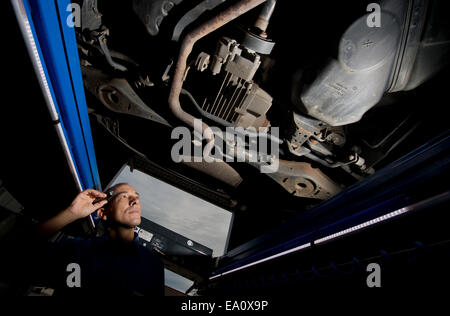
(111, 192)
(114, 187)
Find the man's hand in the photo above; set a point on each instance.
(82, 205)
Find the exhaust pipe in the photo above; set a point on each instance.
(220, 169)
(186, 48)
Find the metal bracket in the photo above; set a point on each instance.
(100, 36)
(300, 179)
(153, 12)
(91, 18)
(118, 96)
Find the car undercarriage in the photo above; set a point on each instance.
(334, 92)
(290, 123)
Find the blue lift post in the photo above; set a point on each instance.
(52, 46)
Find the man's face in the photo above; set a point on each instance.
(125, 207)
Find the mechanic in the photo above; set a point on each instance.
(112, 264)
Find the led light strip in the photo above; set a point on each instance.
(363, 225)
(40, 70)
(428, 202)
(329, 237)
(30, 43)
(265, 259)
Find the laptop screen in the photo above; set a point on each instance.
(180, 211)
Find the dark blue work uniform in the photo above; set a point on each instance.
(107, 267)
